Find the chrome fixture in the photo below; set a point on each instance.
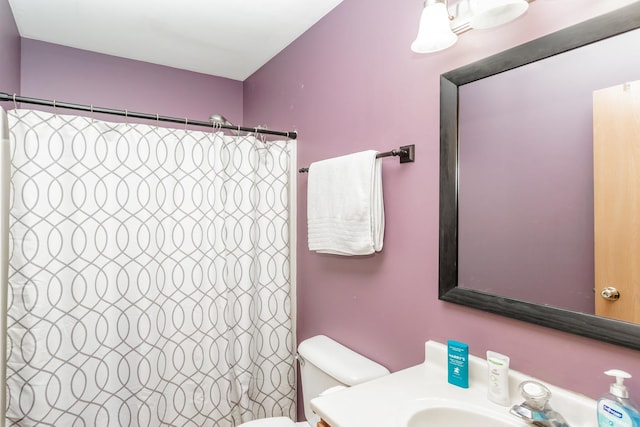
(219, 118)
(610, 293)
(535, 409)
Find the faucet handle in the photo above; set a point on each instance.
(535, 394)
(535, 409)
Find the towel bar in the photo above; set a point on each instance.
(407, 154)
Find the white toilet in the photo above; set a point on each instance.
(324, 364)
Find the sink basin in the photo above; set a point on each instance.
(447, 413)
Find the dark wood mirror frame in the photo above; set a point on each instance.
(603, 329)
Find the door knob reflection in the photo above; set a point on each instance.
(610, 293)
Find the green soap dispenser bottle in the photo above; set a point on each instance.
(615, 409)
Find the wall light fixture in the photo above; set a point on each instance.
(439, 29)
(434, 32)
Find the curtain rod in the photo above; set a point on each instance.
(407, 154)
(124, 113)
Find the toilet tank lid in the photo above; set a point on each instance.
(338, 361)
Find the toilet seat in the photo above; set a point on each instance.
(274, 422)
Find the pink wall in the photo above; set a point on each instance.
(61, 73)
(351, 83)
(10, 49)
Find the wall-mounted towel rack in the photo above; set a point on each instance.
(407, 154)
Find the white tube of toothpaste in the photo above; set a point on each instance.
(498, 385)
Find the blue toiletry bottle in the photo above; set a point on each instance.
(615, 409)
(458, 362)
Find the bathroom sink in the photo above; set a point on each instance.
(420, 396)
(447, 413)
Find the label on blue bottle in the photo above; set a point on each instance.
(612, 414)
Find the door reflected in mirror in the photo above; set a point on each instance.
(616, 179)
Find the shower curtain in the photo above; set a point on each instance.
(149, 275)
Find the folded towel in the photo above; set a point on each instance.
(345, 209)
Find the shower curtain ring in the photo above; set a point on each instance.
(15, 104)
(263, 137)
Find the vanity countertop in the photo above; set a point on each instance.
(380, 402)
(387, 400)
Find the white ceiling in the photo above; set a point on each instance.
(226, 38)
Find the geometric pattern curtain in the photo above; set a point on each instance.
(149, 277)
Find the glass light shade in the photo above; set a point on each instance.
(435, 32)
(491, 13)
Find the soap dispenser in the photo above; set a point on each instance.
(615, 409)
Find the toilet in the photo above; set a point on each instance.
(325, 366)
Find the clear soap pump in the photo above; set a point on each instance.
(615, 409)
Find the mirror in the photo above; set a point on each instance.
(481, 265)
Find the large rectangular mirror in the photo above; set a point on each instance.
(525, 134)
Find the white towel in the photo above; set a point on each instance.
(345, 209)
